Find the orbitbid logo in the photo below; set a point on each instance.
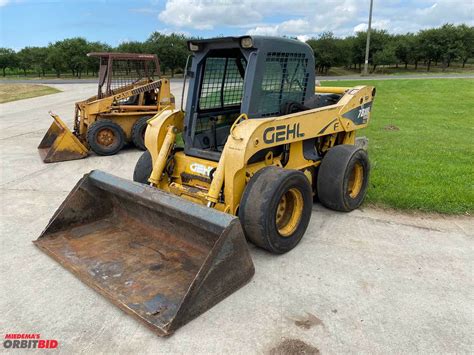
(28, 341)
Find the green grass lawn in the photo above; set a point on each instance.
(455, 68)
(421, 144)
(13, 92)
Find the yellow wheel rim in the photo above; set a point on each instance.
(356, 180)
(105, 137)
(289, 212)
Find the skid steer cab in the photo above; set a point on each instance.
(129, 93)
(255, 145)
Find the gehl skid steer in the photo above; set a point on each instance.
(128, 95)
(255, 145)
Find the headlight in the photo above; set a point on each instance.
(246, 42)
(193, 47)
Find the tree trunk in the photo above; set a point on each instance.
(429, 66)
(444, 64)
(24, 72)
(396, 65)
(463, 63)
(406, 65)
(416, 65)
(3, 70)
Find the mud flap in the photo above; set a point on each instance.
(160, 258)
(60, 144)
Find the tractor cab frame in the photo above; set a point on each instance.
(118, 70)
(229, 76)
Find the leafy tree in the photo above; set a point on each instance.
(330, 51)
(466, 43)
(344, 50)
(170, 49)
(358, 48)
(430, 45)
(444, 44)
(385, 56)
(92, 62)
(55, 58)
(132, 47)
(25, 58)
(7, 59)
(403, 48)
(378, 39)
(327, 51)
(449, 41)
(415, 54)
(38, 57)
(74, 51)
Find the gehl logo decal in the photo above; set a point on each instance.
(282, 133)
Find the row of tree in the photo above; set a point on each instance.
(70, 55)
(443, 45)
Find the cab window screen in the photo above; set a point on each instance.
(285, 79)
(222, 83)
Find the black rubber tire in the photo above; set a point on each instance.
(143, 168)
(334, 174)
(138, 132)
(257, 211)
(101, 149)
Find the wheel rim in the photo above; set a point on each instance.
(356, 180)
(289, 212)
(105, 137)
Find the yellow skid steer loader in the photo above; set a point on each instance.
(128, 95)
(256, 143)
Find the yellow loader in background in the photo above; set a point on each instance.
(128, 95)
(255, 145)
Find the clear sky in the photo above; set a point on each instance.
(38, 22)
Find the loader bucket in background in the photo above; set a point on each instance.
(60, 144)
(158, 257)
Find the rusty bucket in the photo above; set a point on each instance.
(60, 144)
(160, 258)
